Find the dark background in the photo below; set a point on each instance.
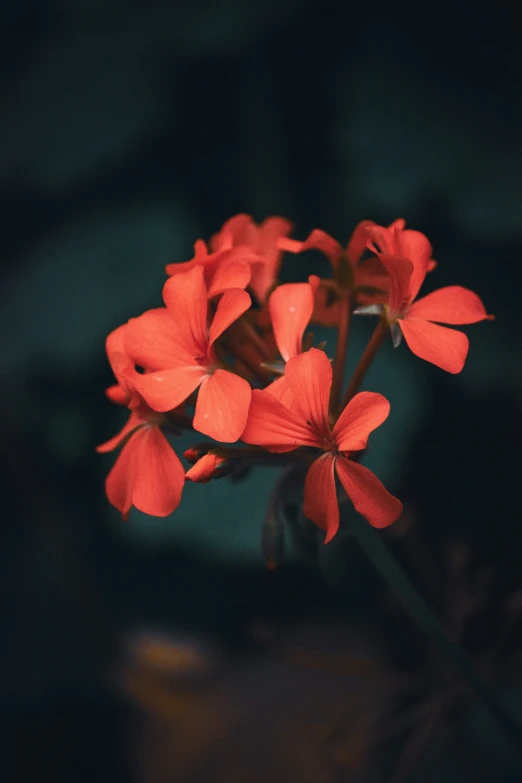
(128, 131)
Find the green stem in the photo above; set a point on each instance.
(340, 353)
(364, 362)
(376, 550)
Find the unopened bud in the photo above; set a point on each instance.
(205, 468)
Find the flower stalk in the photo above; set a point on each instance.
(390, 570)
(345, 312)
(365, 361)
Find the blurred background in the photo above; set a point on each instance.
(163, 650)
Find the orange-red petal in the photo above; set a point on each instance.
(291, 306)
(399, 271)
(450, 305)
(154, 341)
(363, 414)
(320, 496)
(416, 247)
(280, 390)
(358, 241)
(317, 240)
(117, 394)
(185, 296)
(231, 306)
(309, 376)
(132, 423)
(222, 406)
(368, 495)
(166, 389)
(272, 425)
(229, 274)
(147, 474)
(446, 348)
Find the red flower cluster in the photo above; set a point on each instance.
(232, 368)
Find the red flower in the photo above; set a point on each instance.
(406, 255)
(177, 347)
(263, 240)
(279, 429)
(147, 473)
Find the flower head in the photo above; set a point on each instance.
(147, 473)
(406, 256)
(280, 429)
(176, 344)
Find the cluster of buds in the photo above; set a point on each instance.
(227, 356)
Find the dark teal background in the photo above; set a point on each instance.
(128, 131)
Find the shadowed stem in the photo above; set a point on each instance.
(366, 359)
(376, 550)
(340, 354)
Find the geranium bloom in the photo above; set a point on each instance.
(446, 348)
(263, 240)
(147, 473)
(279, 429)
(177, 346)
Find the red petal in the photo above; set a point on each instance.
(417, 248)
(222, 406)
(238, 230)
(446, 348)
(154, 341)
(369, 497)
(317, 240)
(147, 475)
(115, 341)
(320, 496)
(265, 275)
(357, 244)
(229, 274)
(166, 389)
(117, 394)
(132, 422)
(121, 364)
(291, 306)
(281, 391)
(200, 254)
(274, 426)
(231, 306)
(185, 296)
(399, 271)
(450, 305)
(309, 375)
(363, 414)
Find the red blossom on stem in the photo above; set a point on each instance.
(177, 345)
(147, 473)
(406, 256)
(279, 429)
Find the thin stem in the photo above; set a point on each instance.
(391, 571)
(364, 362)
(340, 353)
